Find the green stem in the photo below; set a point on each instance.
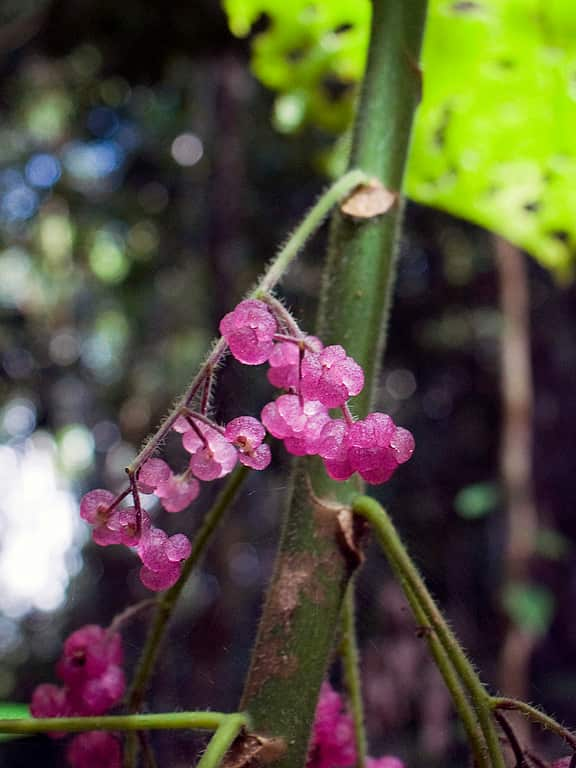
(207, 721)
(166, 604)
(301, 616)
(499, 702)
(400, 559)
(457, 693)
(307, 227)
(221, 741)
(167, 601)
(351, 663)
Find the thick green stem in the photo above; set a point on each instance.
(301, 617)
(207, 721)
(401, 561)
(351, 664)
(221, 741)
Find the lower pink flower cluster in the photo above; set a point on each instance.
(94, 682)
(315, 379)
(333, 744)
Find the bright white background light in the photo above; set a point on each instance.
(40, 529)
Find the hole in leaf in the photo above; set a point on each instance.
(296, 55)
(532, 207)
(466, 6)
(561, 235)
(262, 24)
(439, 136)
(335, 88)
(342, 28)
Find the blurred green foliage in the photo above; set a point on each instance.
(477, 500)
(10, 710)
(493, 141)
(529, 606)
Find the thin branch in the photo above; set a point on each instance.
(403, 564)
(534, 714)
(351, 664)
(168, 600)
(512, 740)
(221, 742)
(206, 721)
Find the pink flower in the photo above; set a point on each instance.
(94, 749)
(249, 331)
(90, 667)
(100, 693)
(124, 523)
(402, 444)
(332, 744)
(153, 473)
(158, 581)
(216, 459)
(87, 653)
(247, 434)
(284, 362)
(331, 377)
(369, 451)
(162, 558)
(388, 761)
(298, 424)
(49, 701)
(94, 506)
(177, 492)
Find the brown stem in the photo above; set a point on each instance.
(516, 463)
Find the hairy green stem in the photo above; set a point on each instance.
(534, 714)
(391, 544)
(301, 617)
(221, 741)
(351, 664)
(457, 693)
(307, 227)
(207, 721)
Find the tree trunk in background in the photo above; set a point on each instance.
(516, 465)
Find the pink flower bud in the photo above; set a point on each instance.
(94, 749)
(249, 331)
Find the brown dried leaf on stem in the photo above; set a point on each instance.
(369, 200)
(251, 750)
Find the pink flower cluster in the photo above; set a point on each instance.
(314, 378)
(214, 453)
(94, 682)
(333, 744)
(317, 379)
(162, 556)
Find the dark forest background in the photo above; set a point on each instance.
(142, 189)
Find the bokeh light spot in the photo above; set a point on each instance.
(187, 149)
